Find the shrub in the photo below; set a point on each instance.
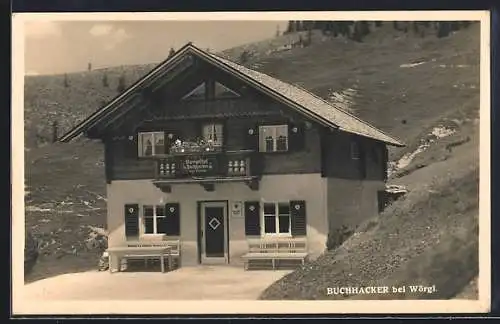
(121, 84)
(105, 82)
(30, 252)
(338, 236)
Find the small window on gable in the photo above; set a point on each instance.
(273, 138)
(221, 91)
(354, 150)
(197, 93)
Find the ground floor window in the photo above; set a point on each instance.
(276, 219)
(154, 219)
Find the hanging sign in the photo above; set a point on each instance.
(236, 209)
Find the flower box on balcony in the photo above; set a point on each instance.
(180, 148)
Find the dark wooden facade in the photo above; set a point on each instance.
(312, 148)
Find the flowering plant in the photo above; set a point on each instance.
(198, 145)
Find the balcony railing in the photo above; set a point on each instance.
(209, 164)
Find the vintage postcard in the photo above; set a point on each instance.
(251, 163)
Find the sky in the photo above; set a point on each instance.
(55, 47)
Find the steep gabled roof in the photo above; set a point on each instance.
(300, 99)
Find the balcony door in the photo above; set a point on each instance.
(213, 233)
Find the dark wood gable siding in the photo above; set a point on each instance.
(246, 112)
(125, 163)
(338, 162)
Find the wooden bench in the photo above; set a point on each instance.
(174, 245)
(143, 252)
(279, 249)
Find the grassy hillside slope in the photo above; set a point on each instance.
(430, 237)
(402, 83)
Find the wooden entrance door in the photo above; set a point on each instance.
(214, 232)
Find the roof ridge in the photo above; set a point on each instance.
(314, 95)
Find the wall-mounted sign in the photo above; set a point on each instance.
(198, 166)
(236, 209)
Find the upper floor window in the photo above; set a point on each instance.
(197, 93)
(151, 143)
(273, 138)
(213, 133)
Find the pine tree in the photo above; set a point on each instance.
(290, 27)
(105, 82)
(357, 33)
(343, 27)
(66, 81)
(171, 52)
(395, 25)
(415, 27)
(319, 25)
(121, 84)
(334, 28)
(298, 26)
(54, 131)
(364, 28)
(309, 36)
(278, 32)
(244, 56)
(454, 25)
(307, 24)
(89, 67)
(443, 29)
(327, 27)
(30, 251)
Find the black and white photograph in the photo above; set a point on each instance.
(198, 163)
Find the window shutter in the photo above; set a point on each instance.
(131, 220)
(296, 137)
(385, 160)
(298, 217)
(252, 137)
(252, 218)
(131, 146)
(173, 219)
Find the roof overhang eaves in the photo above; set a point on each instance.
(117, 102)
(89, 122)
(289, 102)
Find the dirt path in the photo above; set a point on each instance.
(188, 283)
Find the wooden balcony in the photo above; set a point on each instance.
(209, 168)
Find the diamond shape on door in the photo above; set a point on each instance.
(214, 223)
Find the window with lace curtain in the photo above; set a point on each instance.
(213, 133)
(151, 143)
(273, 138)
